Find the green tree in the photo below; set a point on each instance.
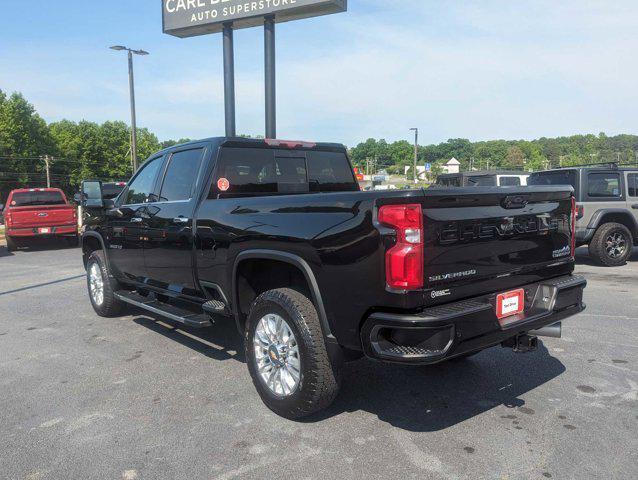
(23, 133)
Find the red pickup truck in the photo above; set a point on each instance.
(38, 212)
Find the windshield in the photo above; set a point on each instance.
(559, 177)
(28, 199)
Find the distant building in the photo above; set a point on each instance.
(452, 166)
(420, 171)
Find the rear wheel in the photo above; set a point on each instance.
(101, 291)
(611, 245)
(287, 356)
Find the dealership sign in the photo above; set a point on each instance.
(187, 18)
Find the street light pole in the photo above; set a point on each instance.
(131, 84)
(416, 153)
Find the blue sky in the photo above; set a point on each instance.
(478, 70)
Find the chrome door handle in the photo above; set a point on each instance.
(136, 220)
(181, 220)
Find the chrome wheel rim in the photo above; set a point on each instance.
(277, 355)
(616, 245)
(96, 284)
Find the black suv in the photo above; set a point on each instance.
(607, 208)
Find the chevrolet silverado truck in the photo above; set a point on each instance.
(32, 213)
(276, 236)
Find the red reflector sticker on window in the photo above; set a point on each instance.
(223, 184)
(510, 303)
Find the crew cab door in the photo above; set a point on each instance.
(168, 253)
(126, 224)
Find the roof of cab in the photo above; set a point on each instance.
(258, 143)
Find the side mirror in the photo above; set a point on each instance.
(91, 194)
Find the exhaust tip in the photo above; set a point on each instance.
(554, 331)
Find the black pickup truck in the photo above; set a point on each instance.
(276, 236)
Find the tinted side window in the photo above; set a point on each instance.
(632, 184)
(142, 185)
(510, 181)
(481, 181)
(181, 175)
(604, 185)
(560, 177)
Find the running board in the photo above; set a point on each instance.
(185, 317)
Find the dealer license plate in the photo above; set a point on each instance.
(44, 230)
(510, 303)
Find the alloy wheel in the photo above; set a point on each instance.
(615, 245)
(96, 284)
(277, 355)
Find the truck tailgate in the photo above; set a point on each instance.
(481, 233)
(42, 216)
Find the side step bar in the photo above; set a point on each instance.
(174, 313)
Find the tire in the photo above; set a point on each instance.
(611, 245)
(11, 244)
(318, 380)
(106, 305)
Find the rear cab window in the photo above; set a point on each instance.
(262, 171)
(632, 184)
(35, 198)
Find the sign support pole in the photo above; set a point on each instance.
(229, 80)
(270, 73)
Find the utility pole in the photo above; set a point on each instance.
(416, 153)
(47, 166)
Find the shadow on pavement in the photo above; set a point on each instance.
(4, 252)
(42, 244)
(414, 398)
(38, 285)
(219, 342)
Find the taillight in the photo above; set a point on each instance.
(580, 211)
(573, 244)
(404, 261)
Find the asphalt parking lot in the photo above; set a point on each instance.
(136, 398)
